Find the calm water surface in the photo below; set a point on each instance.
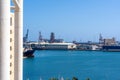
(67, 64)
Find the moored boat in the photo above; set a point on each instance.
(28, 52)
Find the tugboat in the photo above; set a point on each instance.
(28, 52)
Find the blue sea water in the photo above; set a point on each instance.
(96, 65)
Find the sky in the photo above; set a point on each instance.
(80, 20)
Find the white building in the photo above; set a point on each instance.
(11, 51)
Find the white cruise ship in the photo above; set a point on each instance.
(54, 46)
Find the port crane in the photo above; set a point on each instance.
(25, 39)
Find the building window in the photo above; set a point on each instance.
(11, 21)
(10, 64)
(10, 39)
(10, 31)
(11, 48)
(10, 72)
(10, 56)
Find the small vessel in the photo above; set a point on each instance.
(111, 48)
(28, 52)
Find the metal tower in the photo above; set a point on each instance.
(52, 37)
(40, 39)
(25, 39)
(100, 39)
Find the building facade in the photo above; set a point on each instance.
(109, 42)
(12, 46)
(11, 58)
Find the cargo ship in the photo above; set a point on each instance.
(111, 48)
